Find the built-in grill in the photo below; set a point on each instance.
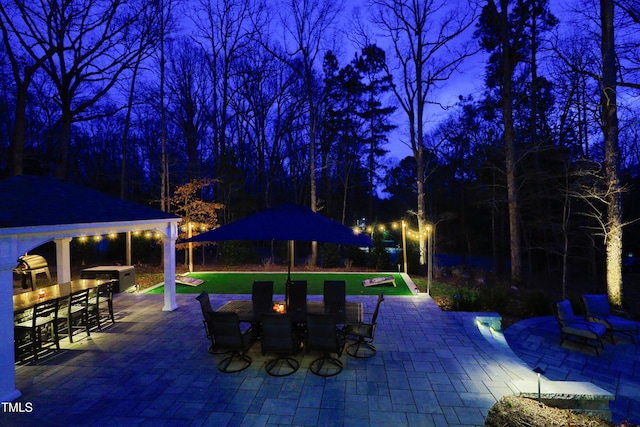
(29, 266)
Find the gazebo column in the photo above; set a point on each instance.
(169, 253)
(63, 260)
(8, 257)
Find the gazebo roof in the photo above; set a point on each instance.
(28, 201)
(35, 210)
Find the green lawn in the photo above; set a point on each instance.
(241, 283)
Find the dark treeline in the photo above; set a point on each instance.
(304, 102)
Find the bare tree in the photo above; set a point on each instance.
(608, 102)
(150, 31)
(224, 32)
(425, 46)
(628, 47)
(20, 30)
(264, 106)
(305, 24)
(84, 47)
(164, 9)
(188, 85)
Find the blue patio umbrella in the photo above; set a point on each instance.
(287, 223)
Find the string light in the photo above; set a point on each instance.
(194, 226)
(413, 234)
(149, 234)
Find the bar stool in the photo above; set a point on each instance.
(44, 316)
(100, 297)
(74, 308)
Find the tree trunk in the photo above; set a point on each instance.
(62, 153)
(512, 190)
(312, 169)
(509, 144)
(125, 132)
(613, 232)
(17, 142)
(163, 135)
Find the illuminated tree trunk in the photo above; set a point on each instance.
(422, 216)
(613, 242)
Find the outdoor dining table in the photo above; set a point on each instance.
(26, 300)
(244, 310)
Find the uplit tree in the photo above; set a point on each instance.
(189, 201)
(608, 102)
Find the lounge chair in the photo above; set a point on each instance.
(572, 326)
(597, 309)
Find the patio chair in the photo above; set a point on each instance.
(100, 297)
(297, 300)
(73, 312)
(43, 316)
(323, 335)
(262, 297)
(278, 337)
(335, 298)
(597, 309)
(205, 306)
(227, 334)
(572, 326)
(363, 333)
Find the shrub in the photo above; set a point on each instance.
(235, 253)
(538, 303)
(380, 259)
(330, 256)
(267, 263)
(467, 299)
(357, 256)
(495, 298)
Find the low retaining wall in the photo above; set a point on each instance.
(581, 397)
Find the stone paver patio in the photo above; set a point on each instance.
(433, 368)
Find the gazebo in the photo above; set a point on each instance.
(36, 210)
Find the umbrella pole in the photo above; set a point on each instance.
(288, 282)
